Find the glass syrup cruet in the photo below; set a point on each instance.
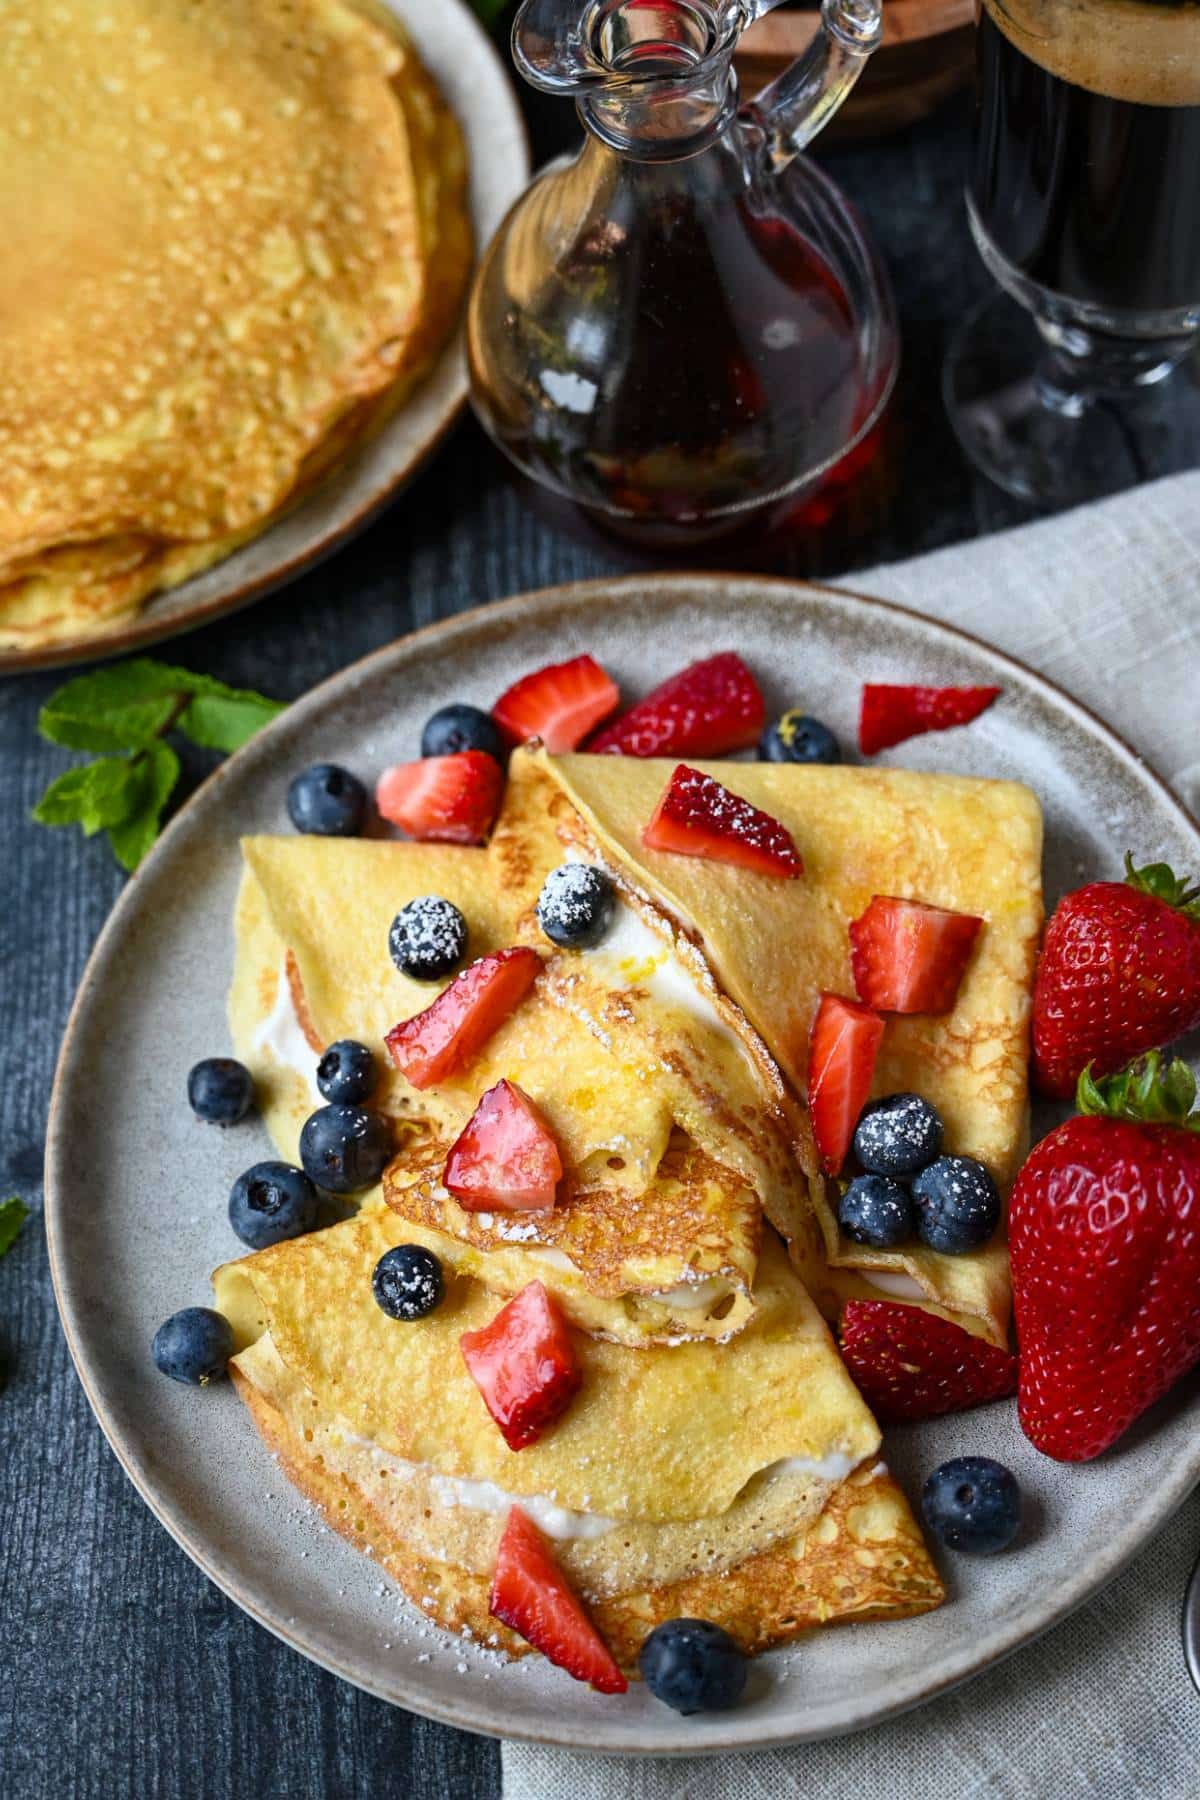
(683, 327)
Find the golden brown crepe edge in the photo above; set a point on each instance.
(840, 1569)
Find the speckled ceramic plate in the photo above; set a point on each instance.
(476, 84)
(136, 1188)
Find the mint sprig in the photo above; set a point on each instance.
(130, 708)
(13, 1214)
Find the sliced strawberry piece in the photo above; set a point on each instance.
(890, 714)
(531, 1595)
(909, 1364)
(442, 799)
(559, 704)
(436, 1043)
(696, 816)
(709, 709)
(841, 1062)
(524, 1365)
(505, 1156)
(910, 958)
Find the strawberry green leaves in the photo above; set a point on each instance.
(130, 708)
(1145, 1093)
(1161, 881)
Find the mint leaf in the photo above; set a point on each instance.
(95, 796)
(132, 706)
(489, 10)
(130, 840)
(226, 720)
(127, 706)
(13, 1214)
(119, 708)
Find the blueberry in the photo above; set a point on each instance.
(270, 1202)
(428, 938)
(973, 1504)
(220, 1090)
(576, 905)
(693, 1666)
(407, 1282)
(876, 1210)
(898, 1136)
(461, 727)
(344, 1148)
(958, 1204)
(798, 738)
(326, 801)
(347, 1072)
(193, 1345)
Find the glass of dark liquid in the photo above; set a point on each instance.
(1082, 373)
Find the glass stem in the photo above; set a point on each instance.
(1080, 366)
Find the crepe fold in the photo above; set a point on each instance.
(738, 1480)
(762, 951)
(670, 1163)
(246, 250)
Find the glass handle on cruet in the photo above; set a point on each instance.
(801, 101)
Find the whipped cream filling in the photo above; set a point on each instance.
(686, 1296)
(561, 1522)
(893, 1281)
(691, 1296)
(280, 1035)
(635, 956)
(487, 1497)
(836, 1467)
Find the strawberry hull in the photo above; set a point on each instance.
(1104, 1237)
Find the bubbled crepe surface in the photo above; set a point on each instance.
(342, 1392)
(774, 946)
(262, 212)
(861, 1558)
(640, 1213)
(626, 1448)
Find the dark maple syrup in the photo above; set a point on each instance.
(681, 404)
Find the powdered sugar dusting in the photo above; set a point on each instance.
(428, 937)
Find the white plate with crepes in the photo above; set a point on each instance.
(475, 84)
(136, 1189)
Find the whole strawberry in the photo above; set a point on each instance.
(1104, 1236)
(1119, 975)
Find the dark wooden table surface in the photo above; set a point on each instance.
(123, 1671)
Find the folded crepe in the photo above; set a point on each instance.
(655, 1235)
(761, 951)
(738, 1481)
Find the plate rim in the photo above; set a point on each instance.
(575, 597)
(147, 629)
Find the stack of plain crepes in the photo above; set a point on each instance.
(717, 1460)
(235, 237)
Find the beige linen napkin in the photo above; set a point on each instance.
(1106, 601)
